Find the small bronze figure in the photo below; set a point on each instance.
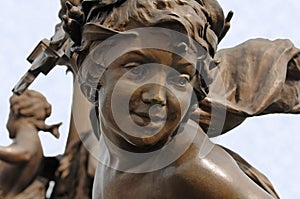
(20, 162)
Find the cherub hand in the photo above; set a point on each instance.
(30, 108)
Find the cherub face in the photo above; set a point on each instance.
(144, 95)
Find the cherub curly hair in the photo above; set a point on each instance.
(93, 21)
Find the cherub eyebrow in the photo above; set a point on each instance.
(134, 56)
(143, 55)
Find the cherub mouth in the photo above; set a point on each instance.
(144, 119)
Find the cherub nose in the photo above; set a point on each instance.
(154, 94)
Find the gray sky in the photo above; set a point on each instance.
(270, 143)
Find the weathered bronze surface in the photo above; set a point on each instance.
(159, 89)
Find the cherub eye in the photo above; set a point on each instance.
(135, 70)
(181, 80)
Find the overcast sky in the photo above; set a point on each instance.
(270, 143)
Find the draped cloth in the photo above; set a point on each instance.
(258, 77)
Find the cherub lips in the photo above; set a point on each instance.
(145, 119)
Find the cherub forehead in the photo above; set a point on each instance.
(146, 38)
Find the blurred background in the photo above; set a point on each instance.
(270, 143)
